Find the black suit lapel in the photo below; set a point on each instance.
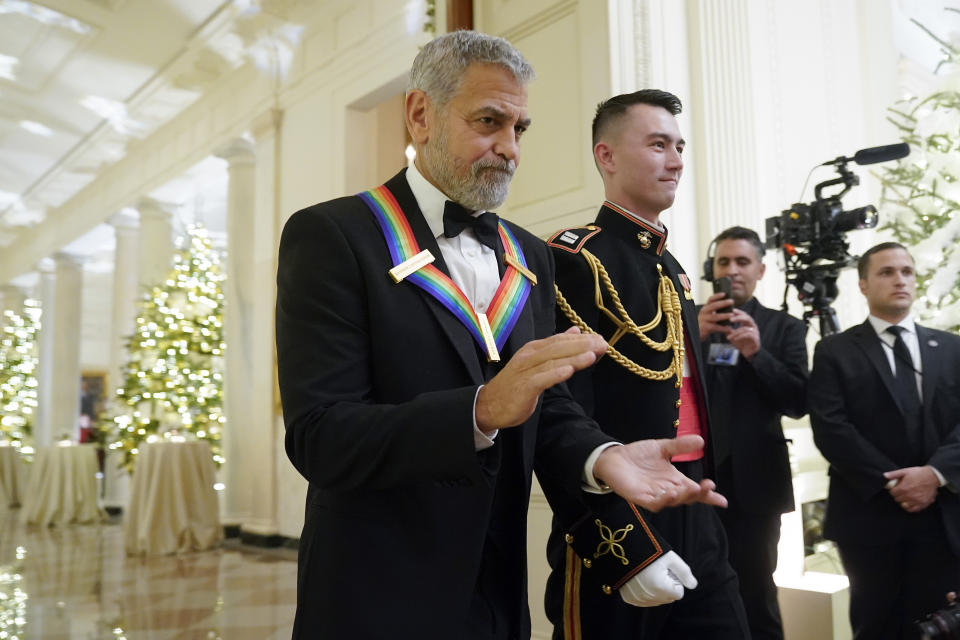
(929, 363)
(523, 330)
(459, 336)
(866, 338)
(522, 333)
(929, 372)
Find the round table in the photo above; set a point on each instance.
(63, 486)
(173, 505)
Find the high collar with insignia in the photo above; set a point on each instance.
(616, 219)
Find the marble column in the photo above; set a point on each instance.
(238, 389)
(265, 403)
(154, 242)
(125, 291)
(11, 299)
(58, 374)
(249, 440)
(723, 114)
(42, 432)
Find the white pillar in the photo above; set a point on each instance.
(60, 350)
(723, 115)
(11, 299)
(42, 431)
(267, 436)
(125, 291)
(238, 384)
(250, 436)
(155, 242)
(116, 486)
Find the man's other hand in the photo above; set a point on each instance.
(746, 336)
(641, 473)
(659, 583)
(915, 489)
(511, 396)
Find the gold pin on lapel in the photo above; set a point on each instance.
(493, 355)
(645, 239)
(513, 262)
(411, 265)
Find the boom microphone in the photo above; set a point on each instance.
(882, 154)
(873, 155)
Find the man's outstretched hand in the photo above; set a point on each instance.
(641, 473)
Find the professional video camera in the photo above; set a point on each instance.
(943, 624)
(812, 236)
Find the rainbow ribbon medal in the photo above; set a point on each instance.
(490, 330)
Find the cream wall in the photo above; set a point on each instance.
(96, 319)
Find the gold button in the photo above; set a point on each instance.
(568, 538)
(679, 402)
(676, 424)
(606, 589)
(587, 563)
(676, 385)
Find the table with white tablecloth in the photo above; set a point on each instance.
(173, 505)
(10, 470)
(63, 486)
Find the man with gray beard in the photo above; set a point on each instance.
(421, 379)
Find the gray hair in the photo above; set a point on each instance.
(439, 67)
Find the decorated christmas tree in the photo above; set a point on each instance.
(172, 385)
(921, 194)
(18, 366)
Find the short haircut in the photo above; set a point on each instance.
(742, 233)
(440, 66)
(610, 112)
(863, 264)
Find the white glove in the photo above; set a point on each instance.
(660, 583)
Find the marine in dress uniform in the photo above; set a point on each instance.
(616, 278)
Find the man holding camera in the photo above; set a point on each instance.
(756, 372)
(884, 400)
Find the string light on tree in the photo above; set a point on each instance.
(173, 382)
(18, 382)
(921, 194)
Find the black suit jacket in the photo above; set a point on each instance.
(859, 428)
(746, 404)
(378, 383)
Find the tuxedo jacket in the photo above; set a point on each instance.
(858, 425)
(747, 402)
(378, 382)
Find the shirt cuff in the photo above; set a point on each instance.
(940, 478)
(481, 440)
(588, 480)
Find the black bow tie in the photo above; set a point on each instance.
(456, 219)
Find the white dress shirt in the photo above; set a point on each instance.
(472, 266)
(909, 336)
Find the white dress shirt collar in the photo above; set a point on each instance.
(880, 326)
(430, 200)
